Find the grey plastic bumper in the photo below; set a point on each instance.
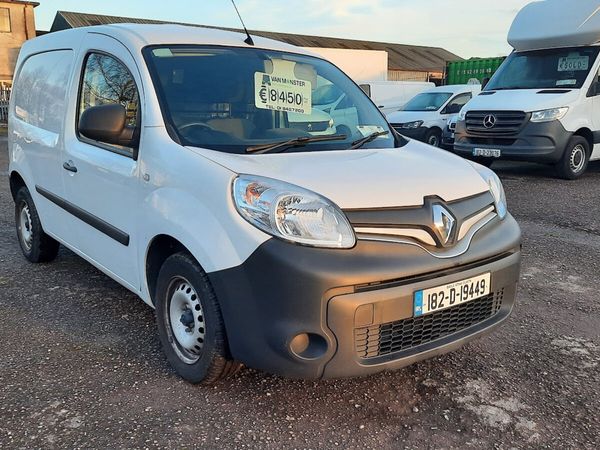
(284, 291)
(536, 142)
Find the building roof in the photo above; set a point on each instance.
(401, 56)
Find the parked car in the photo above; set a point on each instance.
(426, 115)
(448, 134)
(390, 96)
(164, 156)
(543, 104)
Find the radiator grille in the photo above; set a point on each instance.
(504, 122)
(387, 338)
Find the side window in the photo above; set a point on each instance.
(107, 81)
(40, 90)
(457, 103)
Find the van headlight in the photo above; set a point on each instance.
(547, 115)
(412, 125)
(496, 189)
(292, 213)
(462, 115)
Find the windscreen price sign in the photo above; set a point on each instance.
(282, 93)
(573, 63)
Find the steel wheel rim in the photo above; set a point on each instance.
(185, 319)
(577, 160)
(433, 140)
(25, 229)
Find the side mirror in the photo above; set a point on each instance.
(107, 124)
(594, 89)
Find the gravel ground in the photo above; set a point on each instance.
(80, 364)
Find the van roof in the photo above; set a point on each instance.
(137, 36)
(456, 88)
(555, 23)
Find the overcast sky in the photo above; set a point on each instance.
(465, 27)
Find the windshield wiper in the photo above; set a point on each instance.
(367, 139)
(296, 142)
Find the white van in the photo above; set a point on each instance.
(165, 157)
(543, 104)
(390, 96)
(426, 116)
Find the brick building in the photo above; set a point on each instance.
(17, 24)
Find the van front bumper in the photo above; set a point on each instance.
(313, 313)
(417, 134)
(536, 142)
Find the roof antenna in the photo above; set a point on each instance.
(248, 40)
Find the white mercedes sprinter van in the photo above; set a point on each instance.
(543, 104)
(165, 156)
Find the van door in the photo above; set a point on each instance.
(455, 105)
(38, 107)
(594, 101)
(101, 180)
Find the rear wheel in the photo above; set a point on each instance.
(575, 159)
(189, 322)
(434, 137)
(36, 245)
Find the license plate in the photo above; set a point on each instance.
(439, 298)
(487, 152)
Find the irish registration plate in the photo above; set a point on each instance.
(442, 297)
(487, 152)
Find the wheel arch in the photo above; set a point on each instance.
(159, 249)
(588, 135)
(16, 182)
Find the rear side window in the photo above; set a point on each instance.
(107, 81)
(40, 90)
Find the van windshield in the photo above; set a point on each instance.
(545, 69)
(230, 99)
(428, 101)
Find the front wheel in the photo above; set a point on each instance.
(433, 138)
(189, 322)
(575, 159)
(36, 245)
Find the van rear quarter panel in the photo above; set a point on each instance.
(36, 125)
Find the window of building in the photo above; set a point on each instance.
(5, 20)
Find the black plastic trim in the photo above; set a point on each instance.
(104, 227)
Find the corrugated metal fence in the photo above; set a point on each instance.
(4, 98)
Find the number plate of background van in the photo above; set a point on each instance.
(442, 297)
(487, 152)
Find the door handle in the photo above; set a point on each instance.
(70, 166)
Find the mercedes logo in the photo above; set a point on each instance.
(489, 121)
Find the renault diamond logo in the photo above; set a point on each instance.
(443, 223)
(489, 121)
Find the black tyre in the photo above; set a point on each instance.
(190, 324)
(434, 137)
(575, 159)
(36, 245)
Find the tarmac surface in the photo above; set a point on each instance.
(81, 366)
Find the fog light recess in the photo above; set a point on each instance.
(308, 346)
